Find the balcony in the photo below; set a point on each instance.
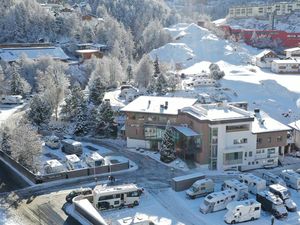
(233, 162)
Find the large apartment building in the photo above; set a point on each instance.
(220, 136)
(279, 8)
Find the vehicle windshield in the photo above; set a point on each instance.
(286, 194)
(194, 189)
(207, 203)
(78, 165)
(280, 209)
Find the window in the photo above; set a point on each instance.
(256, 162)
(258, 151)
(250, 154)
(234, 128)
(256, 208)
(240, 141)
(258, 140)
(271, 151)
(260, 10)
(282, 67)
(279, 139)
(116, 202)
(269, 139)
(249, 163)
(245, 154)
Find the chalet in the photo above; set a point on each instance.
(13, 52)
(292, 52)
(220, 136)
(286, 66)
(265, 58)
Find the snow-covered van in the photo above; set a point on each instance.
(94, 160)
(53, 166)
(217, 201)
(241, 211)
(73, 162)
(12, 99)
(52, 141)
(201, 187)
(291, 178)
(273, 179)
(285, 195)
(272, 203)
(255, 184)
(70, 146)
(240, 188)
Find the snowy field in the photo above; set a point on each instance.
(7, 110)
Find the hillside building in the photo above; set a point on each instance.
(292, 52)
(220, 136)
(296, 133)
(265, 58)
(286, 66)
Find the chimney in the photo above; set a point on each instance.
(149, 103)
(166, 105)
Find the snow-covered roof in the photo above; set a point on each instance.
(215, 196)
(83, 51)
(286, 61)
(278, 187)
(114, 189)
(188, 132)
(53, 163)
(251, 177)
(217, 112)
(263, 53)
(295, 125)
(13, 54)
(291, 172)
(95, 156)
(269, 195)
(292, 49)
(248, 202)
(152, 104)
(264, 123)
(234, 183)
(72, 158)
(71, 142)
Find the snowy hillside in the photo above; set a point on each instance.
(193, 44)
(273, 93)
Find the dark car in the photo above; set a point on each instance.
(82, 191)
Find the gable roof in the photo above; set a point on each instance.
(265, 52)
(295, 125)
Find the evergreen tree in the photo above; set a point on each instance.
(81, 126)
(129, 73)
(161, 85)
(2, 79)
(105, 118)
(16, 84)
(156, 68)
(167, 149)
(40, 110)
(97, 91)
(5, 140)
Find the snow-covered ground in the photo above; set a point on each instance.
(273, 93)
(7, 110)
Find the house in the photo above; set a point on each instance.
(260, 10)
(219, 136)
(265, 58)
(292, 52)
(87, 50)
(286, 66)
(296, 133)
(196, 80)
(13, 52)
(128, 92)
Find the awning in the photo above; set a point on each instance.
(186, 131)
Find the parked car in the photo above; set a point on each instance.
(201, 187)
(82, 191)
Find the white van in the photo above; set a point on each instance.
(273, 179)
(217, 201)
(53, 166)
(12, 99)
(285, 195)
(200, 188)
(241, 211)
(94, 160)
(255, 184)
(240, 188)
(291, 178)
(73, 162)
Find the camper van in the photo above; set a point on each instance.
(241, 211)
(273, 179)
(291, 178)
(272, 203)
(12, 99)
(240, 188)
(107, 197)
(285, 196)
(73, 162)
(70, 146)
(52, 142)
(53, 166)
(254, 183)
(217, 201)
(201, 188)
(94, 160)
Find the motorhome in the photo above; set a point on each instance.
(217, 201)
(240, 188)
(73, 162)
(285, 195)
(94, 160)
(201, 187)
(70, 146)
(53, 166)
(12, 99)
(254, 183)
(291, 178)
(272, 203)
(106, 197)
(52, 142)
(273, 179)
(241, 211)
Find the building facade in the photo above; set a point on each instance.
(286, 66)
(220, 136)
(279, 8)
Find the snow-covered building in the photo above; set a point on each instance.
(128, 92)
(286, 66)
(265, 58)
(201, 79)
(296, 133)
(292, 52)
(220, 136)
(260, 10)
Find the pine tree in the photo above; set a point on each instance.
(2, 79)
(105, 118)
(40, 110)
(161, 85)
(129, 73)
(156, 68)
(5, 141)
(81, 126)
(97, 91)
(16, 84)
(167, 149)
